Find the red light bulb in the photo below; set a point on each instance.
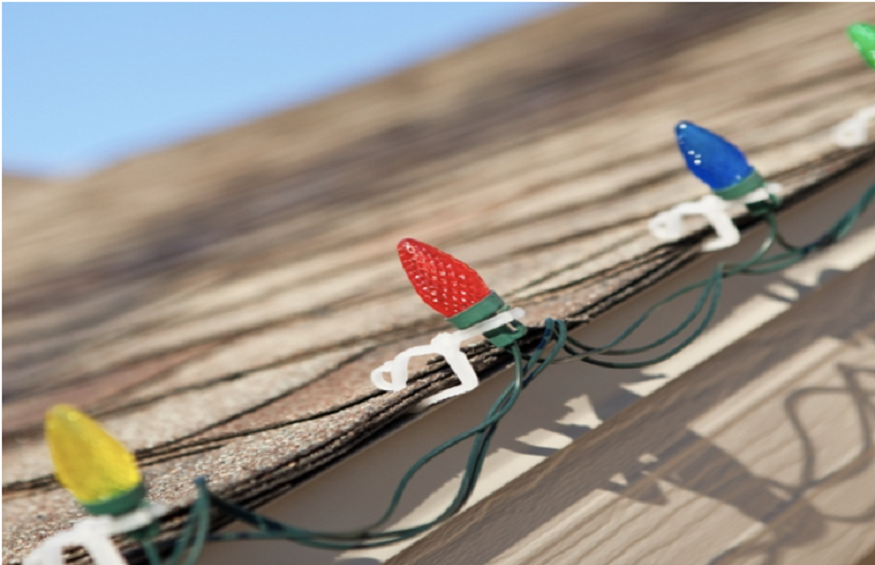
(443, 282)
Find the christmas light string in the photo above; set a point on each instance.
(103, 476)
(527, 367)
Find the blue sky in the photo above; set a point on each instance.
(87, 84)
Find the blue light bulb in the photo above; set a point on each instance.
(717, 163)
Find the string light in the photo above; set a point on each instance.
(527, 366)
(724, 168)
(94, 466)
(716, 162)
(103, 475)
(454, 289)
(443, 282)
(863, 38)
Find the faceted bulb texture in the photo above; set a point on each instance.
(94, 466)
(863, 37)
(716, 162)
(443, 282)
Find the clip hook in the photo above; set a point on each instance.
(854, 131)
(447, 345)
(94, 533)
(668, 225)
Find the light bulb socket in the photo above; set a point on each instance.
(485, 309)
(765, 206)
(742, 188)
(119, 504)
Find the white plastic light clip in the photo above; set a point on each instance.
(95, 535)
(668, 225)
(854, 131)
(448, 345)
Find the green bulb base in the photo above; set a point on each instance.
(763, 207)
(485, 309)
(119, 504)
(747, 185)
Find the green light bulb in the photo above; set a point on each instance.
(863, 37)
(94, 466)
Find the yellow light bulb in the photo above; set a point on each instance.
(94, 466)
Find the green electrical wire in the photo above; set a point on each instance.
(711, 287)
(527, 367)
(369, 536)
(191, 540)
